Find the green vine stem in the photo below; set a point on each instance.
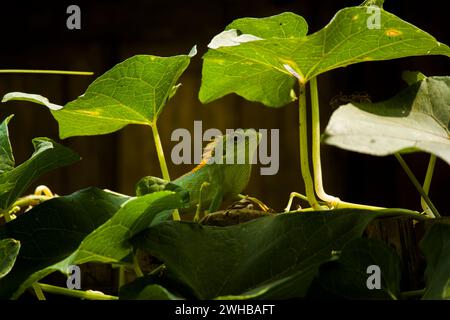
(162, 163)
(317, 164)
(90, 295)
(416, 184)
(332, 202)
(160, 153)
(304, 161)
(122, 280)
(137, 268)
(391, 212)
(427, 183)
(66, 72)
(157, 270)
(38, 291)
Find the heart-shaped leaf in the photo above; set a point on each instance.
(9, 249)
(132, 92)
(51, 231)
(262, 70)
(273, 257)
(436, 247)
(417, 119)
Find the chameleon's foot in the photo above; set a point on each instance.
(197, 214)
(199, 204)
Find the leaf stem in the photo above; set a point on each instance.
(157, 270)
(332, 201)
(90, 295)
(416, 184)
(343, 204)
(121, 276)
(137, 268)
(162, 162)
(427, 183)
(66, 72)
(317, 165)
(304, 161)
(38, 291)
(160, 152)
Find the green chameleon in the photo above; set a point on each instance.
(222, 174)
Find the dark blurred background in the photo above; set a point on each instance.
(34, 36)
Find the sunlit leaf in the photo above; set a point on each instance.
(256, 70)
(417, 119)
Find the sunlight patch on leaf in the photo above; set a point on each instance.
(230, 38)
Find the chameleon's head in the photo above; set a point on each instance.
(235, 148)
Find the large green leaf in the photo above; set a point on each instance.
(347, 277)
(109, 243)
(52, 230)
(272, 257)
(48, 155)
(6, 154)
(9, 249)
(417, 119)
(436, 247)
(263, 70)
(132, 92)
